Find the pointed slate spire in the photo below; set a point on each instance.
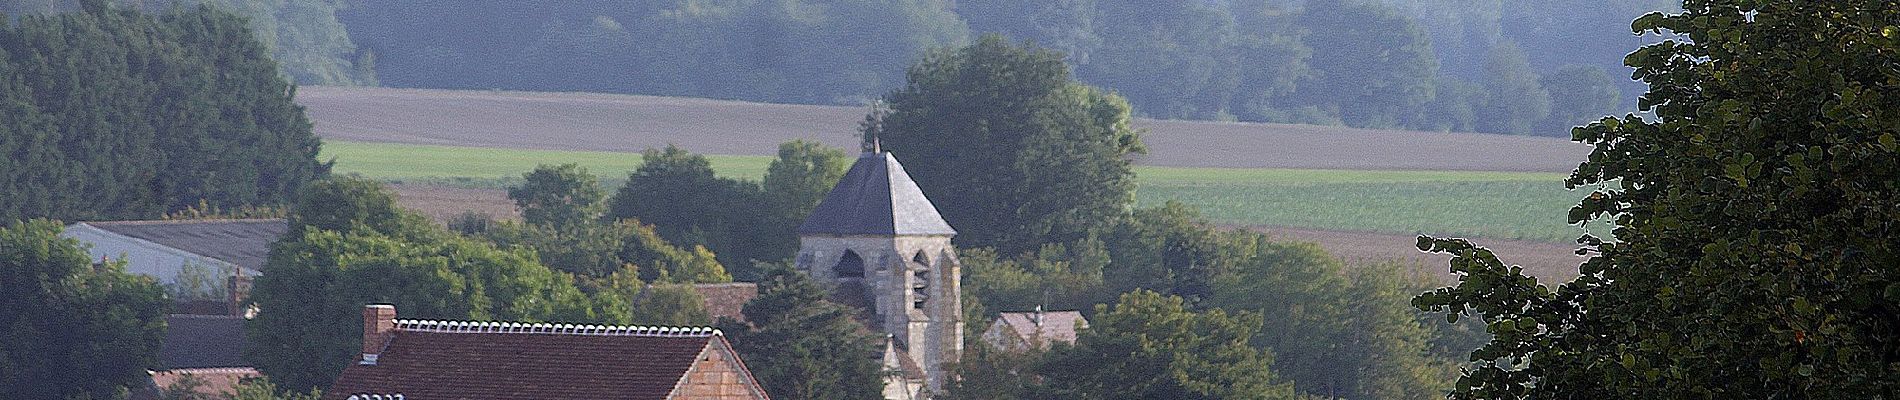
(875, 197)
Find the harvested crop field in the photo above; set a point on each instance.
(1549, 262)
(607, 122)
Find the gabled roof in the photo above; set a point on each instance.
(468, 360)
(214, 382)
(241, 242)
(202, 341)
(727, 299)
(1042, 328)
(875, 197)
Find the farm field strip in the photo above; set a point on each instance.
(1502, 205)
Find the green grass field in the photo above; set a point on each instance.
(1502, 205)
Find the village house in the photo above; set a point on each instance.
(213, 260)
(419, 359)
(206, 351)
(1022, 331)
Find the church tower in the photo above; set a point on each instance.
(878, 243)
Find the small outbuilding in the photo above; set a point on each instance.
(1019, 331)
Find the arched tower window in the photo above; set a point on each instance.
(920, 280)
(850, 266)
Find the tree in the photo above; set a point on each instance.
(350, 203)
(1169, 249)
(1335, 331)
(317, 280)
(1514, 101)
(794, 184)
(70, 328)
(559, 197)
(1367, 77)
(116, 114)
(1170, 59)
(1578, 95)
(1753, 253)
(801, 346)
(1150, 346)
(261, 388)
(677, 193)
(1013, 152)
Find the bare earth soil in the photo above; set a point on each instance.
(1548, 262)
(608, 122)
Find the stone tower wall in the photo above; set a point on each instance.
(933, 334)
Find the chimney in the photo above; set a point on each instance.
(379, 320)
(237, 291)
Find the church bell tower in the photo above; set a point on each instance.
(879, 244)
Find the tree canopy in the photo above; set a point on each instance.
(70, 328)
(319, 276)
(801, 346)
(1013, 152)
(1753, 252)
(1150, 346)
(111, 113)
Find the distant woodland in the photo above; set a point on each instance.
(1536, 67)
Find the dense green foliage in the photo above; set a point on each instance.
(1333, 330)
(310, 45)
(70, 329)
(559, 197)
(1256, 60)
(597, 250)
(831, 51)
(1754, 215)
(1013, 152)
(1305, 61)
(1149, 346)
(111, 113)
(348, 247)
(742, 220)
(801, 346)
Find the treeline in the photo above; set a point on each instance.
(310, 45)
(111, 113)
(1435, 65)
(1536, 67)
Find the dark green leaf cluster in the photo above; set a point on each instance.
(1013, 152)
(1332, 330)
(801, 346)
(1146, 346)
(1251, 60)
(349, 246)
(115, 114)
(742, 221)
(304, 36)
(69, 328)
(1754, 254)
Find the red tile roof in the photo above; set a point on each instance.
(212, 381)
(457, 360)
(727, 299)
(1042, 328)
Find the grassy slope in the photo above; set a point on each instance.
(1506, 205)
